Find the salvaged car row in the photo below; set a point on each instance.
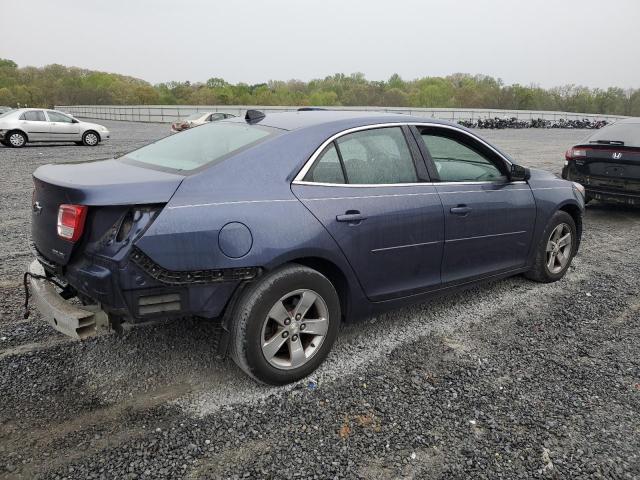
(280, 227)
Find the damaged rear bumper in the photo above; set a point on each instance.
(72, 320)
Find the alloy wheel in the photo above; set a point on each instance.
(294, 329)
(559, 248)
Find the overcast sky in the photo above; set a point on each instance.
(547, 42)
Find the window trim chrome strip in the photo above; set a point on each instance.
(298, 179)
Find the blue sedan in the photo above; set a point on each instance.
(280, 227)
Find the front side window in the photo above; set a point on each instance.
(369, 157)
(34, 116)
(196, 147)
(457, 162)
(58, 117)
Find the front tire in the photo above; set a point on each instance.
(285, 324)
(90, 138)
(557, 249)
(16, 139)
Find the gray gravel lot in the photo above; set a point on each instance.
(510, 380)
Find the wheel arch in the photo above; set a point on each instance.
(91, 130)
(576, 214)
(13, 130)
(335, 275)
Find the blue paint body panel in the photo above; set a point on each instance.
(246, 211)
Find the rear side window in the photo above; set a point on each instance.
(369, 157)
(33, 116)
(377, 156)
(327, 169)
(208, 144)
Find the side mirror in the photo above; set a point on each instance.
(73, 120)
(519, 173)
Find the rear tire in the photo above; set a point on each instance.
(556, 250)
(16, 139)
(284, 325)
(90, 138)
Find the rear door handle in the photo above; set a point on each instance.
(351, 216)
(461, 210)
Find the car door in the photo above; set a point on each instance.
(369, 188)
(489, 219)
(63, 128)
(34, 124)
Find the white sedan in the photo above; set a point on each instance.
(26, 125)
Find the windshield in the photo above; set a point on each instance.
(8, 112)
(208, 144)
(626, 132)
(195, 116)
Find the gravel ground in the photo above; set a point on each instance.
(510, 380)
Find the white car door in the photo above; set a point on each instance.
(62, 128)
(35, 125)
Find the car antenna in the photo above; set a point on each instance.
(253, 116)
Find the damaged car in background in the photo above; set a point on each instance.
(198, 118)
(607, 163)
(280, 227)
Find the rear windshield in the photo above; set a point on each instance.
(629, 133)
(205, 145)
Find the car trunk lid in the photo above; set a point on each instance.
(94, 184)
(606, 161)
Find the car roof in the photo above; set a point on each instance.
(343, 118)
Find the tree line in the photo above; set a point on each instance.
(59, 85)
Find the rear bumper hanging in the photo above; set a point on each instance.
(72, 320)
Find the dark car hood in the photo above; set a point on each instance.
(110, 182)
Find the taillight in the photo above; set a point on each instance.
(574, 153)
(71, 221)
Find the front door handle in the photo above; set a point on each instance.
(461, 210)
(351, 216)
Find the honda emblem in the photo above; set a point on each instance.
(617, 155)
